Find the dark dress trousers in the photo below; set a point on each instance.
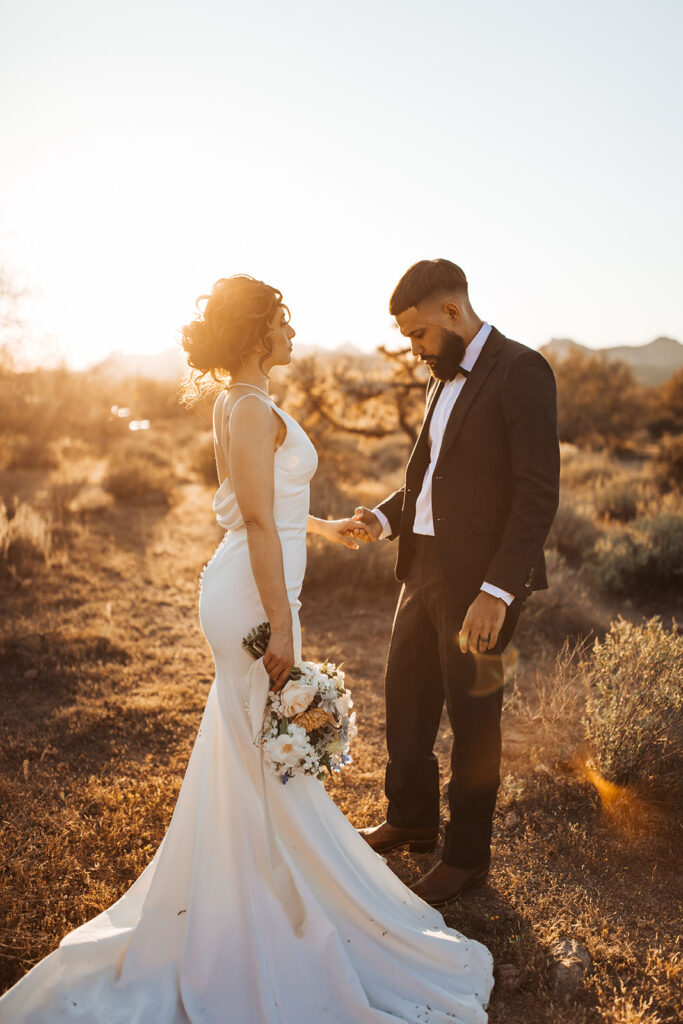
(495, 491)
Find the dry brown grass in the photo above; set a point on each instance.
(105, 675)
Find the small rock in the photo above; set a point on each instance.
(572, 961)
(508, 977)
(31, 673)
(511, 819)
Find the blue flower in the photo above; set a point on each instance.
(286, 777)
(346, 759)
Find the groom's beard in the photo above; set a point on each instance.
(445, 367)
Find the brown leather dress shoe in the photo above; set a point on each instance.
(387, 837)
(445, 883)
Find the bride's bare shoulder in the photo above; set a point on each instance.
(252, 422)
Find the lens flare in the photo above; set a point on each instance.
(627, 811)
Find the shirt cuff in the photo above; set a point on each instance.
(489, 588)
(386, 526)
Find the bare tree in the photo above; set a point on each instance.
(372, 403)
(11, 322)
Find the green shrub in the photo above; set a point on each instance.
(617, 499)
(572, 534)
(138, 479)
(634, 710)
(643, 559)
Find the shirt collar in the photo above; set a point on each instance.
(474, 348)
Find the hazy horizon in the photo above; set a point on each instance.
(157, 146)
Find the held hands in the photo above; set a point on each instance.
(278, 660)
(345, 531)
(369, 520)
(483, 622)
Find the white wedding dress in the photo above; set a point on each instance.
(262, 905)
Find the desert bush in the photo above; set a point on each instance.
(599, 402)
(47, 404)
(554, 706)
(369, 569)
(202, 460)
(666, 406)
(27, 453)
(25, 538)
(667, 466)
(580, 467)
(388, 456)
(4, 528)
(328, 497)
(643, 559)
(565, 610)
(617, 499)
(634, 710)
(138, 478)
(572, 534)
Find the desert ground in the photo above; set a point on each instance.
(105, 673)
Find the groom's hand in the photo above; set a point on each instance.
(370, 521)
(483, 622)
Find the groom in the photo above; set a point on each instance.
(480, 493)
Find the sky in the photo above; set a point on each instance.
(153, 146)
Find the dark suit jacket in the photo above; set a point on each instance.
(495, 487)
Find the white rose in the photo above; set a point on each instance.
(296, 696)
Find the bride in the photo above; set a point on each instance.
(262, 904)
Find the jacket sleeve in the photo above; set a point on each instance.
(391, 508)
(530, 412)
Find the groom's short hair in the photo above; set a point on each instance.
(423, 280)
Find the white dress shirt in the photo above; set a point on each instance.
(424, 520)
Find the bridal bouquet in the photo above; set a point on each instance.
(307, 724)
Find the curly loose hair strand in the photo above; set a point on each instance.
(235, 318)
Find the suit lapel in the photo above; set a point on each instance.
(420, 452)
(480, 371)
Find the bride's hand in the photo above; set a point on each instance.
(278, 660)
(345, 531)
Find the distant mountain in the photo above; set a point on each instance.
(170, 365)
(651, 364)
(167, 365)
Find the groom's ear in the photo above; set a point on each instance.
(452, 310)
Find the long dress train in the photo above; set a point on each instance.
(262, 904)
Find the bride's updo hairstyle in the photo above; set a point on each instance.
(235, 318)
